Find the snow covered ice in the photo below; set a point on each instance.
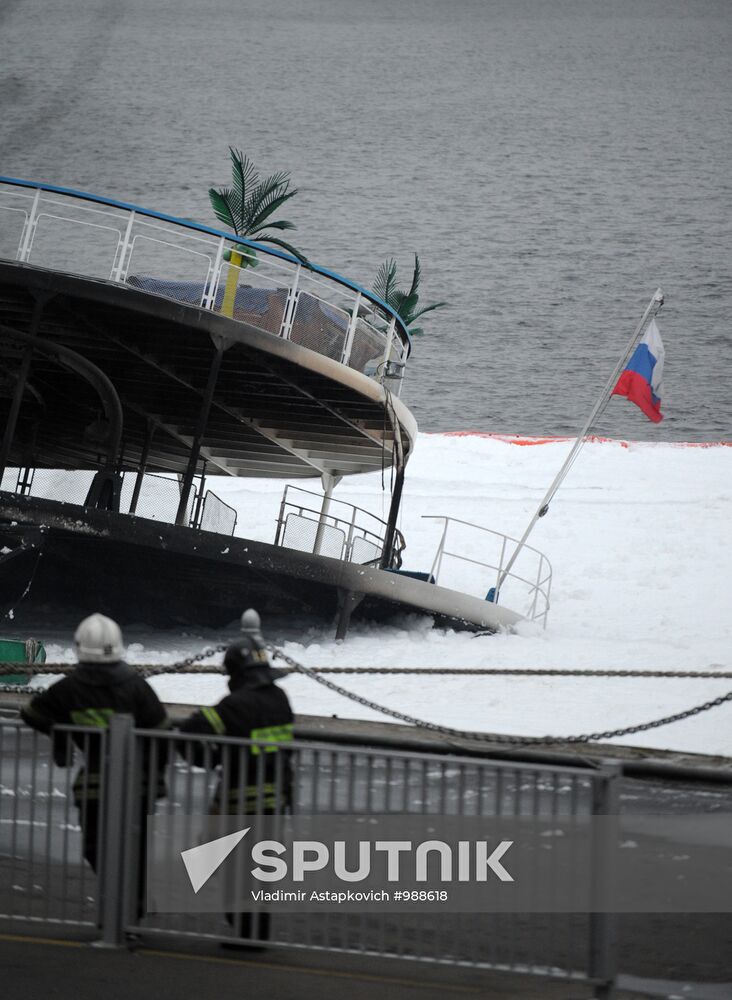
(639, 537)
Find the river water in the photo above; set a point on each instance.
(551, 161)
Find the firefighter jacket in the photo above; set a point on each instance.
(89, 697)
(253, 778)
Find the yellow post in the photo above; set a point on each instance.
(232, 278)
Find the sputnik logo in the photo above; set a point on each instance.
(201, 862)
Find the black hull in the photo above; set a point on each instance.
(64, 560)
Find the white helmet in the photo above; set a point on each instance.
(251, 625)
(99, 640)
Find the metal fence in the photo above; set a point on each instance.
(472, 558)
(311, 523)
(216, 515)
(83, 234)
(43, 876)
(63, 485)
(157, 498)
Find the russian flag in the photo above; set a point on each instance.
(641, 380)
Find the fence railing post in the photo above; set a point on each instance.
(112, 848)
(118, 265)
(603, 944)
(26, 239)
(288, 315)
(351, 333)
(208, 300)
(387, 349)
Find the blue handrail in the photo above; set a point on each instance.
(200, 228)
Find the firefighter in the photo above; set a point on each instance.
(102, 685)
(254, 779)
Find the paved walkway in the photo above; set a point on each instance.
(53, 969)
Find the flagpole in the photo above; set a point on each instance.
(652, 308)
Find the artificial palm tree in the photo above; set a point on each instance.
(402, 302)
(247, 205)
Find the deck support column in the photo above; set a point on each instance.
(389, 538)
(348, 600)
(199, 499)
(142, 466)
(208, 394)
(329, 484)
(387, 554)
(10, 426)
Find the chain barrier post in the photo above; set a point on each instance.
(603, 940)
(120, 736)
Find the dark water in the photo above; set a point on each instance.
(552, 161)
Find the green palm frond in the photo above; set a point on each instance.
(266, 206)
(265, 238)
(421, 312)
(246, 206)
(243, 176)
(404, 303)
(416, 278)
(268, 190)
(385, 283)
(281, 224)
(223, 208)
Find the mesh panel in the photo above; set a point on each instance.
(363, 551)
(177, 270)
(367, 351)
(300, 533)
(158, 500)
(319, 326)
(258, 301)
(9, 481)
(217, 515)
(66, 486)
(190, 292)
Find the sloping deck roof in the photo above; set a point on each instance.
(279, 409)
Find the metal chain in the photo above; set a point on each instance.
(187, 666)
(531, 672)
(183, 666)
(146, 670)
(197, 657)
(494, 737)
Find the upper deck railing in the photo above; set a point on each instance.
(84, 234)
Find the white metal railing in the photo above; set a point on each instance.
(156, 499)
(303, 524)
(83, 234)
(533, 576)
(66, 864)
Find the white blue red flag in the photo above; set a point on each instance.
(641, 381)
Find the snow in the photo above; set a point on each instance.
(639, 537)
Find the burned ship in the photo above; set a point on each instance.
(139, 358)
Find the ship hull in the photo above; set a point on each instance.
(62, 560)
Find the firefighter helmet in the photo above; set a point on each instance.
(251, 625)
(247, 657)
(245, 653)
(99, 640)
